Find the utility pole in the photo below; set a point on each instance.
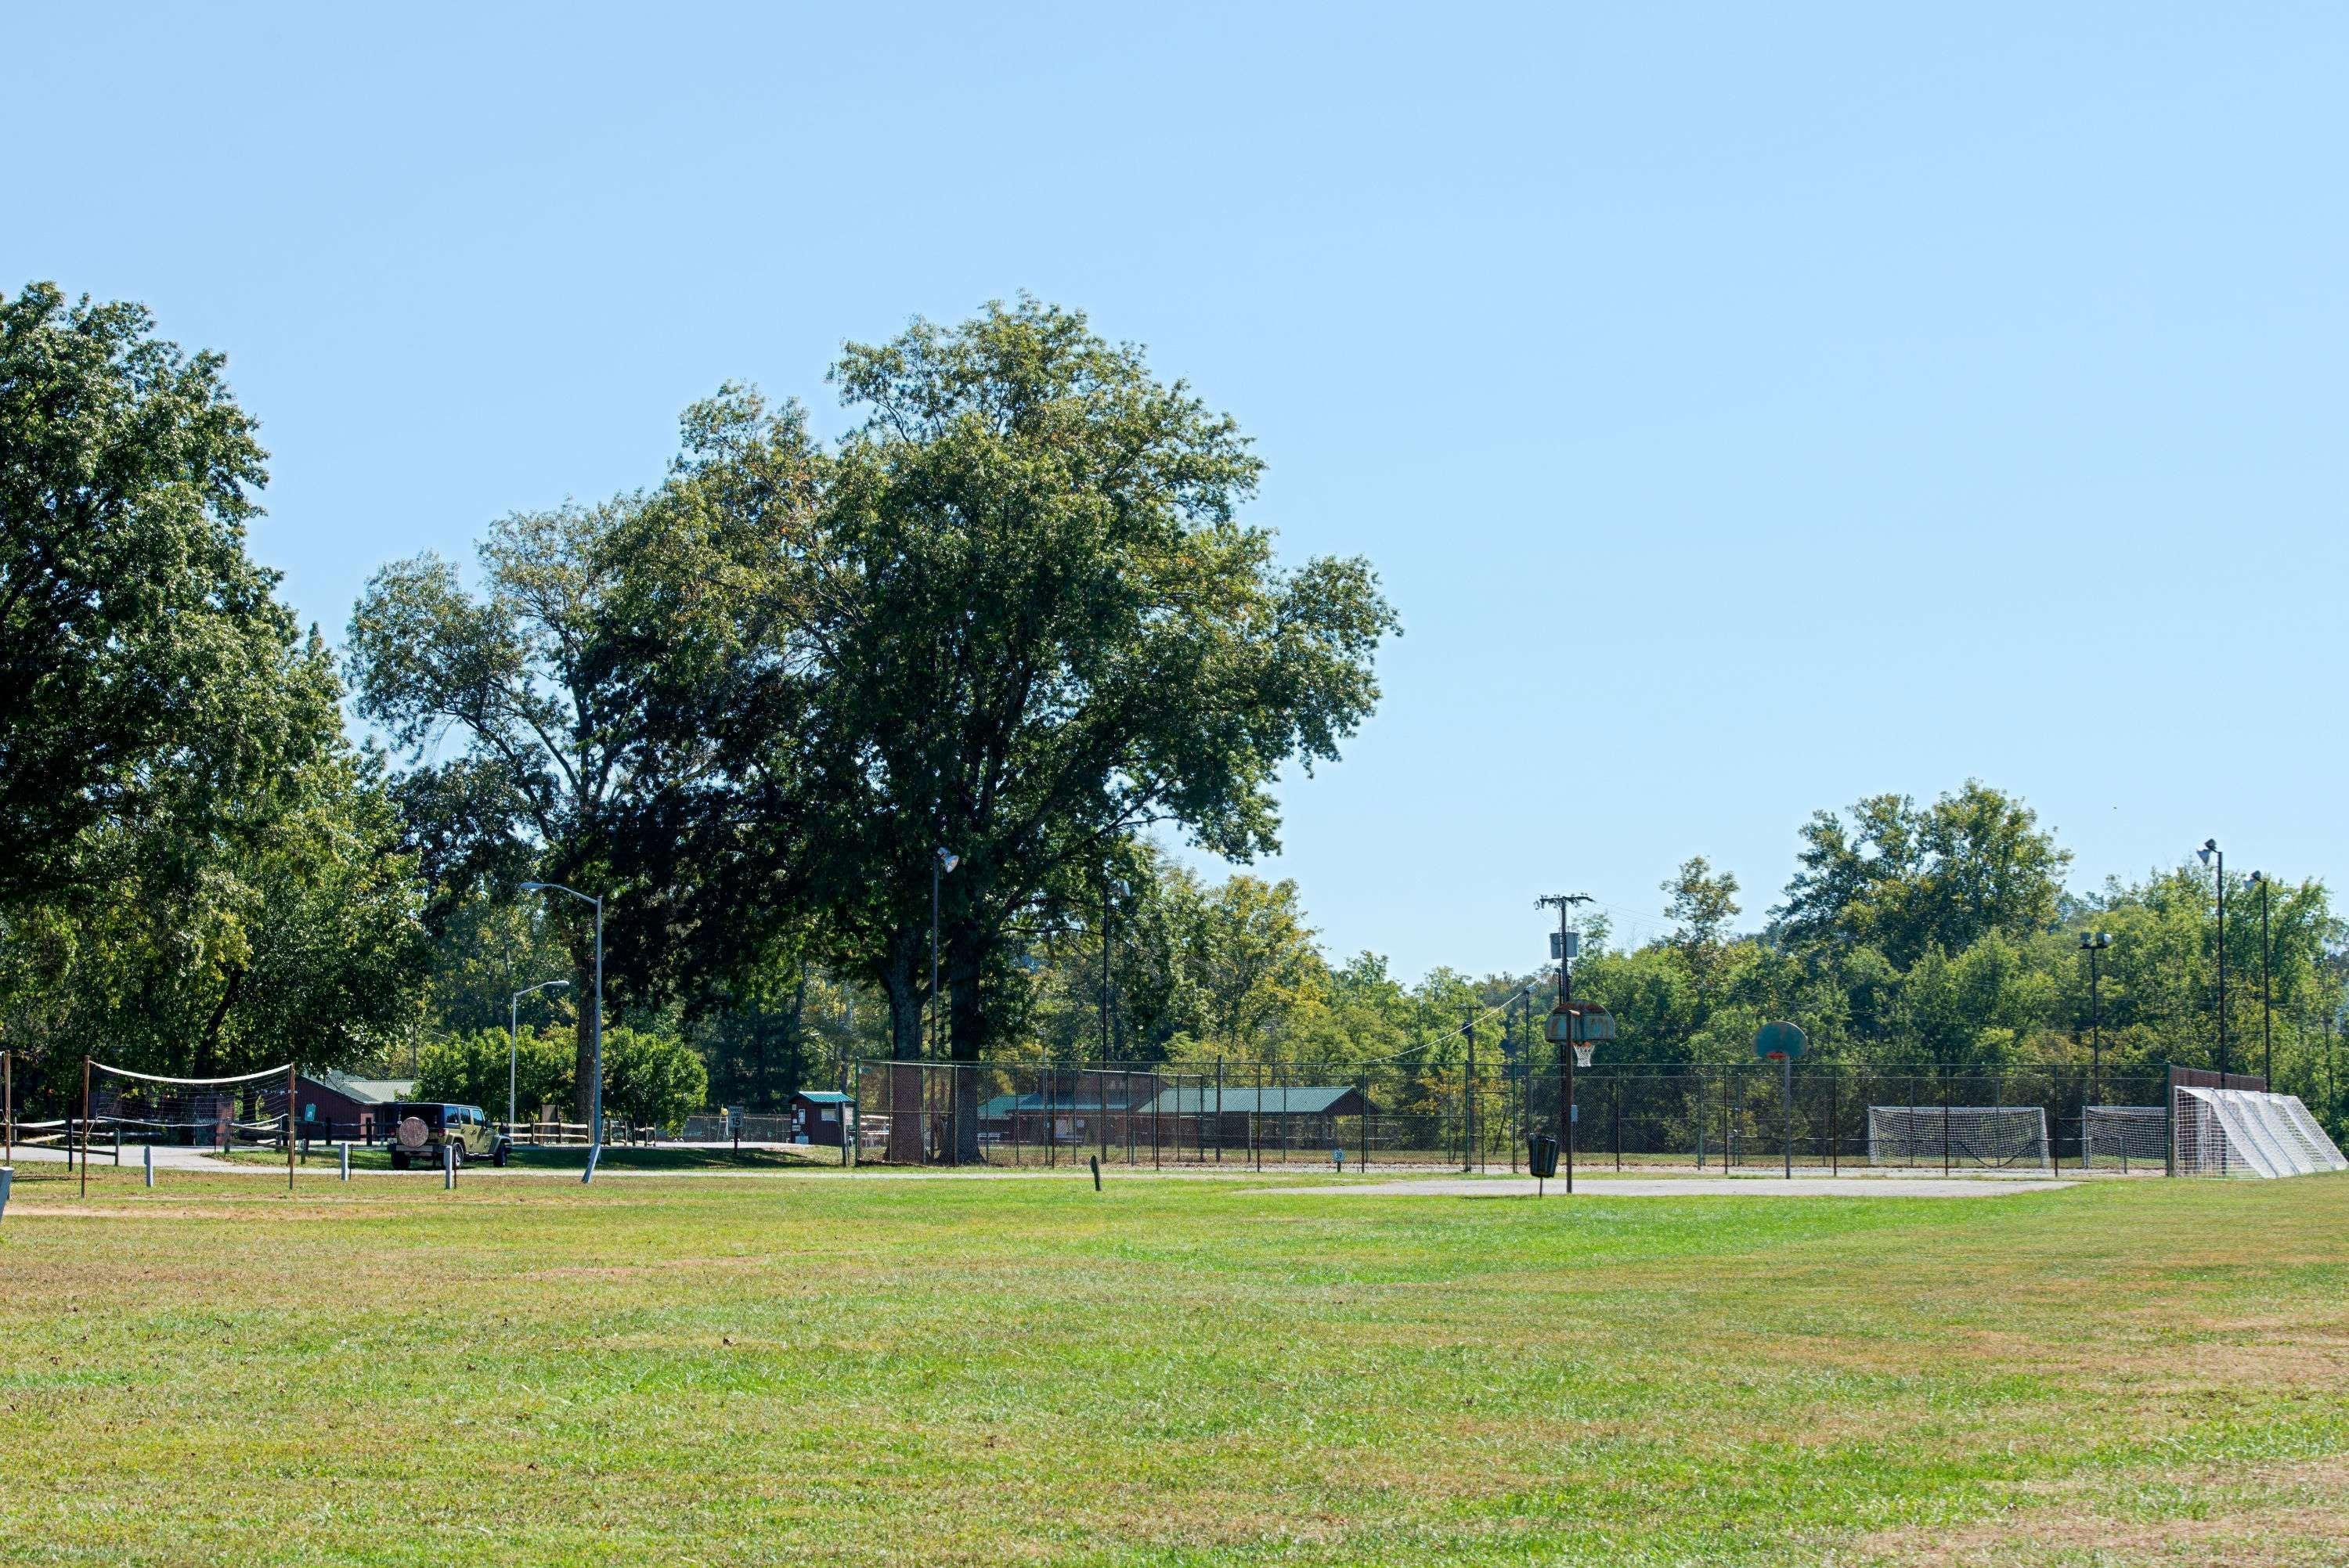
(1564, 902)
(1468, 1092)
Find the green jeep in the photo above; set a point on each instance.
(420, 1133)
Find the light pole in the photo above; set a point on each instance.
(2267, 1036)
(1562, 1025)
(940, 863)
(2093, 942)
(1108, 985)
(595, 1061)
(514, 1042)
(2209, 848)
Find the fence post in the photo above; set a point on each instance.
(1256, 1123)
(150, 1164)
(1835, 1123)
(1945, 1126)
(1219, 1110)
(1728, 1131)
(2169, 1121)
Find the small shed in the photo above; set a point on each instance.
(819, 1116)
(337, 1107)
(1300, 1114)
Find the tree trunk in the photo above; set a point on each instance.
(583, 986)
(905, 1142)
(966, 1038)
(208, 1043)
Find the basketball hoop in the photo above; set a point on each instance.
(1583, 1053)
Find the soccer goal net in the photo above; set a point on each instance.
(1993, 1137)
(2245, 1132)
(2123, 1137)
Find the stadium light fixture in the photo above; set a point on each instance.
(596, 1062)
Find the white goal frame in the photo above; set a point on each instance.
(2124, 1135)
(1993, 1136)
(2249, 1133)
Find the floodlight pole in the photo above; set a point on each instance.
(2210, 847)
(1563, 904)
(2267, 1037)
(595, 1104)
(2091, 943)
(513, 1043)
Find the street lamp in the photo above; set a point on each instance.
(2093, 942)
(595, 1067)
(2267, 1036)
(2209, 848)
(514, 1042)
(942, 862)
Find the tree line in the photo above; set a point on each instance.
(1012, 613)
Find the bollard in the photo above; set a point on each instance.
(8, 1179)
(151, 1165)
(1096, 1164)
(347, 1161)
(448, 1168)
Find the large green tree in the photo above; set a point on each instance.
(1043, 630)
(580, 681)
(131, 621)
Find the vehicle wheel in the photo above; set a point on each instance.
(457, 1155)
(398, 1160)
(498, 1159)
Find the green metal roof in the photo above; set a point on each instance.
(1318, 1099)
(365, 1091)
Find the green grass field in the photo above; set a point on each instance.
(816, 1366)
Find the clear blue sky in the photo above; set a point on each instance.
(1749, 408)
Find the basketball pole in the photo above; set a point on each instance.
(1787, 1064)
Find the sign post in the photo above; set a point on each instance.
(1783, 1043)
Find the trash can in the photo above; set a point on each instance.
(1541, 1155)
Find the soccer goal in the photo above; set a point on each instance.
(122, 1108)
(2123, 1137)
(1988, 1137)
(2246, 1132)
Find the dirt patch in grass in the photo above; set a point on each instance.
(2270, 1515)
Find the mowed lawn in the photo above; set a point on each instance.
(818, 1367)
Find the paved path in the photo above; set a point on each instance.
(1696, 1186)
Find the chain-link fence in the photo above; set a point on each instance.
(1720, 1117)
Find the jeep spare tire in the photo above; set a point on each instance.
(413, 1133)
